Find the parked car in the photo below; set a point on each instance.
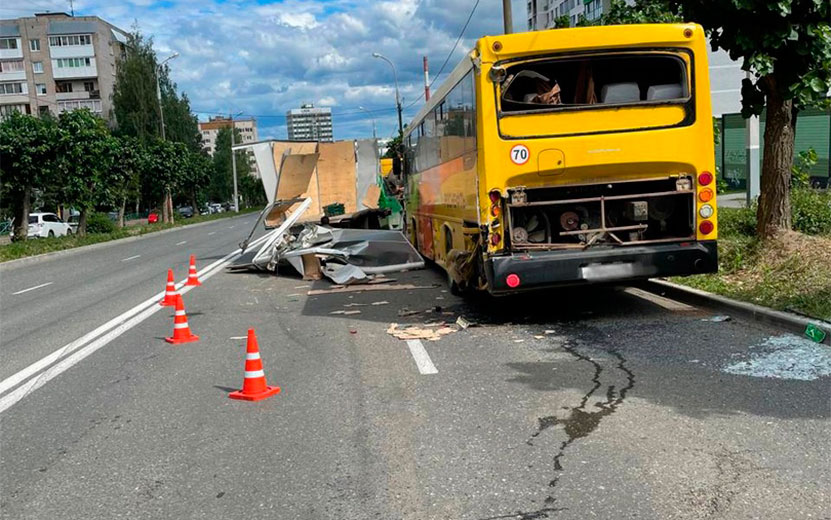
(154, 216)
(43, 225)
(73, 223)
(215, 207)
(185, 211)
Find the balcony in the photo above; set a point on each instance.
(18, 75)
(71, 51)
(74, 72)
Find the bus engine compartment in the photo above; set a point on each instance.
(619, 213)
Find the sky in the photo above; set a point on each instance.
(263, 58)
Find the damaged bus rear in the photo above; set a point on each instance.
(594, 161)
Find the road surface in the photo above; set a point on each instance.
(589, 403)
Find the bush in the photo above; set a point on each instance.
(100, 223)
(811, 211)
(737, 221)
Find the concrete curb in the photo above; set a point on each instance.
(28, 260)
(786, 320)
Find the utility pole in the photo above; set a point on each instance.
(752, 178)
(507, 16)
(234, 161)
(168, 202)
(397, 96)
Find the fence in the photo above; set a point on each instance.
(813, 130)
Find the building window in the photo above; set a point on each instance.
(43, 110)
(11, 88)
(73, 62)
(40, 88)
(7, 110)
(37, 67)
(11, 66)
(8, 43)
(66, 41)
(34, 45)
(89, 86)
(63, 87)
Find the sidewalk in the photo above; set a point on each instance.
(732, 200)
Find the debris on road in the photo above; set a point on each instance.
(421, 332)
(815, 333)
(717, 319)
(464, 323)
(369, 287)
(784, 357)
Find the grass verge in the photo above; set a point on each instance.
(790, 272)
(39, 246)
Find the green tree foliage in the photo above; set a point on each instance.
(27, 163)
(641, 11)
(85, 155)
(221, 186)
(562, 21)
(786, 45)
(135, 106)
(127, 162)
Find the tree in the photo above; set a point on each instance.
(128, 157)
(562, 22)
(641, 11)
(786, 45)
(27, 158)
(85, 155)
(222, 181)
(197, 176)
(135, 107)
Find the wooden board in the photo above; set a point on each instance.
(336, 175)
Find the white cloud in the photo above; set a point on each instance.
(266, 59)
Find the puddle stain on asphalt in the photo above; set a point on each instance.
(583, 419)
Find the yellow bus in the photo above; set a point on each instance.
(567, 156)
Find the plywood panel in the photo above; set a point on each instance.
(314, 211)
(336, 174)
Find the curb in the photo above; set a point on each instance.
(786, 320)
(19, 262)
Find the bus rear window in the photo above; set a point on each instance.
(597, 80)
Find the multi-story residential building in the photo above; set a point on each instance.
(543, 13)
(55, 62)
(308, 123)
(247, 128)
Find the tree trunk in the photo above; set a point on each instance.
(170, 206)
(20, 210)
(82, 223)
(774, 213)
(165, 216)
(193, 202)
(121, 209)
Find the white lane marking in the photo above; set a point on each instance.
(660, 301)
(212, 233)
(422, 358)
(230, 227)
(120, 322)
(33, 288)
(130, 258)
(181, 243)
(238, 337)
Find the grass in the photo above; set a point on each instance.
(39, 246)
(789, 272)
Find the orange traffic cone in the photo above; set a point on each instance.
(192, 278)
(181, 330)
(170, 293)
(254, 387)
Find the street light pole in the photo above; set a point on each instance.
(374, 136)
(234, 162)
(397, 96)
(168, 203)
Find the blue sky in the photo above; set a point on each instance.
(264, 58)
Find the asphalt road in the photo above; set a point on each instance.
(590, 403)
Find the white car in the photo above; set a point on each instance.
(42, 225)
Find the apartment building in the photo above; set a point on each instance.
(247, 128)
(55, 62)
(543, 13)
(308, 123)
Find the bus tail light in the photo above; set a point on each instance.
(495, 211)
(495, 196)
(705, 178)
(705, 211)
(495, 239)
(706, 227)
(705, 195)
(512, 280)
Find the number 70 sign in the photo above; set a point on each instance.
(520, 154)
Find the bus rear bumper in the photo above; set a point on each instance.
(542, 269)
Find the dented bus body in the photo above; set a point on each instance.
(567, 156)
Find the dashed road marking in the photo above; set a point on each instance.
(32, 288)
(660, 301)
(422, 358)
(130, 258)
(181, 243)
(212, 233)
